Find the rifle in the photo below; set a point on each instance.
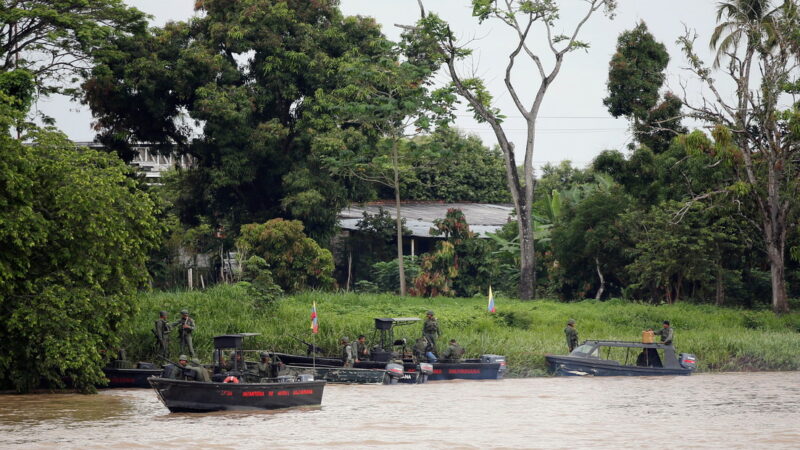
(310, 348)
(186, 372)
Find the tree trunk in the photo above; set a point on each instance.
(602, 280)
(780, 303)
(527, 260)
(719, 299)
(399, 219)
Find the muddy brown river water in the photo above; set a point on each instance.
(744, 410)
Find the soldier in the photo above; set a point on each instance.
(264, 366)
(360, 348)
(666, 333)
(200, 372)
(161, 330)
(430, 329)
(182, 372)
(347, 353)
(422, 350)
(572, 335)
(185, 328)
(454, 352)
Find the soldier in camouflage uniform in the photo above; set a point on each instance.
(430, 329)
(360, 349)
(264, 367)
(161, 330)
(454, 352)
(200, 372)
(571, 334)
(347, 353)
(666, 333)
(185, 328)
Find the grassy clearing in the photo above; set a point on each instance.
(723, 339)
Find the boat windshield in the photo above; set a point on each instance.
(586, 350)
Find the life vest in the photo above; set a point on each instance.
(231, 379)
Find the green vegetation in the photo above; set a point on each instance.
(723, 339)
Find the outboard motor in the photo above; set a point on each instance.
(305, 377)
(425, 370)
(394, 373)
(499, 359)
(687, 361)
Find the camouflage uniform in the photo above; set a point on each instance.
(185, 333)
(572, 335)
(360, 350)
(667, 334)
(453, 353)
(347, 353)
(161, 330)
(200, 372)
(264, 367)
(420, 348)
(430, 329)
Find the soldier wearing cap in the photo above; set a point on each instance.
(181, 373)
(185, 328)
(572, 335)
(430, 329)
(264, 366)
(348, 357)
(200, 372)
(161, 330)
(454, 352)
(666, 333)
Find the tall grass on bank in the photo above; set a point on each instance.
(723, 339)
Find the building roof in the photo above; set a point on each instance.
(482, 217)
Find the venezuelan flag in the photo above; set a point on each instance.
(314, 322)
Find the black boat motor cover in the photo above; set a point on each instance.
(688, 361)
(395, 370)
(426, 368)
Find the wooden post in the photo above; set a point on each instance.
(202, 282)
(349, 270)
(412, 248)
(189, 277)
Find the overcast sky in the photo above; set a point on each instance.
(574, 123)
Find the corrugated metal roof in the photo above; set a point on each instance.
(482, 217)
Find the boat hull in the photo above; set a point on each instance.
(343, 375)
(129, 378)
(193, 396)
(572, 366)
(469, 369)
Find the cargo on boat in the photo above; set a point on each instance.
(232, 388)
(622, 358)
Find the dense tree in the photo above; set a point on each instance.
(54, 39)
(75, 231)
(635, 74)
(753, 128)
(294, 260)
(524, 18)
(235, 88)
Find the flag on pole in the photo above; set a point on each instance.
(491, 307)
(314, 322)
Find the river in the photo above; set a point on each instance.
(733, 410)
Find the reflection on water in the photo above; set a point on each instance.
(706, 410)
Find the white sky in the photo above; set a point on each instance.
(573, 124)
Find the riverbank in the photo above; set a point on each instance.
(723, 339)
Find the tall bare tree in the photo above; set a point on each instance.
(757, 49)
(524, 17)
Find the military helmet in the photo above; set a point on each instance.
(162, 314)
(429, 313)
(264, 355)
(183, 358)
(571, 322)
(666, 322)
(184, 311)
(345, 339)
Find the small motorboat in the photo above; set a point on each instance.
(233, 389)
(622, 358)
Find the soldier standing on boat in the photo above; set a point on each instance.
(454, 352)
(430, 329)
(347, 353)
(572, 335)
(185, 328)
(666, 333)
(360, 348)
(264, 366)
(161, 330)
